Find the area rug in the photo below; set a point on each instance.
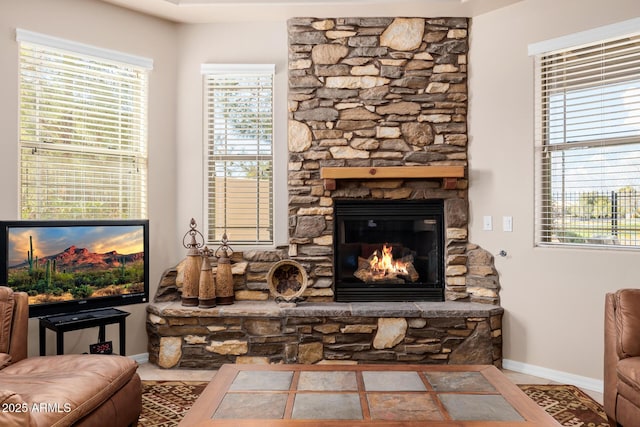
(164, 403)
(569, 405)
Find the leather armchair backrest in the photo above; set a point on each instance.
(14, 323)
(627, 318)
(7, 304)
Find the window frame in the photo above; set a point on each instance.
(100, 135)
(241, 71)
(545, 146)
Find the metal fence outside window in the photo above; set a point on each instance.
(595, 217)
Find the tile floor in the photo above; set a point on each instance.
(151, 372)
(390, 396)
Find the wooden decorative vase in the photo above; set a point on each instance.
(224, 280)
(224, 276)
(207, 288)
(191, 282)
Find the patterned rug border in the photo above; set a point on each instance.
(570, 416)
(159, 411)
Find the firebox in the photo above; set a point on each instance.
(389, 250)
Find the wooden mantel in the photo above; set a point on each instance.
(449, 174)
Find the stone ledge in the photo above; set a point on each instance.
(444, 309)
(449, 332)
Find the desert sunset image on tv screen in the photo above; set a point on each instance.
(54, 264)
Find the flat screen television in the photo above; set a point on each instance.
(71, 266)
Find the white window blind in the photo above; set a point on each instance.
(239, 153)
(588, 144)
(83, 132)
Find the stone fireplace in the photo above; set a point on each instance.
(377, 138)
(378, 112)
(388, 250)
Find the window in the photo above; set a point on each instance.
(588, 144)
(239, 153)
(83, 131)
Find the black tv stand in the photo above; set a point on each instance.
(61, 323)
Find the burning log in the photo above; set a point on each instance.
(380, 267)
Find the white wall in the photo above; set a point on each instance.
(99, 24)
(553, 298)
(232, 43)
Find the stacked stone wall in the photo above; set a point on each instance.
(458, 333)
(376, 92)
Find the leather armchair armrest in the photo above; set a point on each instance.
(15, 411)
(611, 357)
(5, 360)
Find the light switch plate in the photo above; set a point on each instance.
(507, 223)
(487, 223)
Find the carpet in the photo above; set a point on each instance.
(569, 405)
(164, 403)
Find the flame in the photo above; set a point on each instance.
(383, 263)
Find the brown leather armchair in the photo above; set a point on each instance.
(76, 389)
(622, 357)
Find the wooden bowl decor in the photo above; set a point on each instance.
(287, 280)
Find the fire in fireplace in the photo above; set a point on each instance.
(382, 267)
(389, 250)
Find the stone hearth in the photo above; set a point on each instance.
(264, 332)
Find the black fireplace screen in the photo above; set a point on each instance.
(389, 250)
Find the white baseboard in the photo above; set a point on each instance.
(553, 375)
(140, 358)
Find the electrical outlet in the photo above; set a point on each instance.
(487, 223)
(507, 223)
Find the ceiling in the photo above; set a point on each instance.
(209, 11)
